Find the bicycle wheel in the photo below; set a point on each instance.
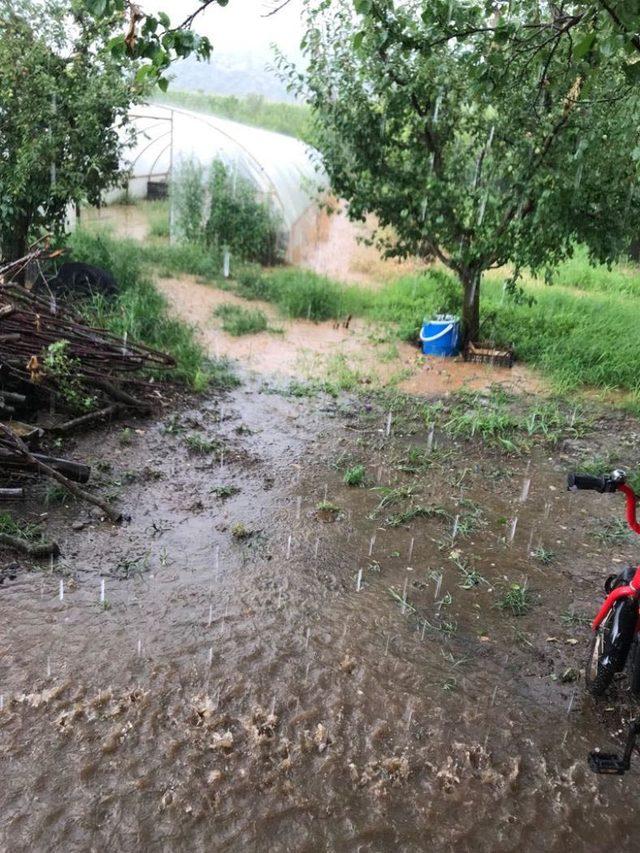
(634, 667)
(610, 646)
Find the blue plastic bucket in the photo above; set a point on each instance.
(441, 335)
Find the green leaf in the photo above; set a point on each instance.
(584, 45)
(163, 84)
(357, 39)
(164, 19)
(362, 7)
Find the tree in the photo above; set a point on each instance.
(593, 34)
(63, 108)
(462, 154)
(69, 74)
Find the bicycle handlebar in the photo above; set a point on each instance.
(577, 482)
(612, 483)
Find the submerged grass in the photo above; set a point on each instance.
(237, 320)
(141, 312)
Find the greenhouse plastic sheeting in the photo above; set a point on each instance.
(282, 168)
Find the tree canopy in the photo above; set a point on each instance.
(463, 154)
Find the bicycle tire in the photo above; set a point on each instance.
(634, 668)
(608, 652)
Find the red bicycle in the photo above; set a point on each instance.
(616, 628)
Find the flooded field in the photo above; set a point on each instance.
(267, 658)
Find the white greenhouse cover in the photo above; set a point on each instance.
(282, 168)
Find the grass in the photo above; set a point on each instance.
(327, 506)
(290, 119)
(142, 313)
(582, 331)
(237, 320)
(416, 512)
(614, 531)
(200, 445)
(21, 529)
(355, 476)
(544, 555)
(515, 600)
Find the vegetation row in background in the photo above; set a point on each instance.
(290, 119)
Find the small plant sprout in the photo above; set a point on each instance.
(516, 600)
(543, 555)
(355, 476)
(200, 445)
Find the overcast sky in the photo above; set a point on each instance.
(240, 26)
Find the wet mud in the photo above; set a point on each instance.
(235, 669)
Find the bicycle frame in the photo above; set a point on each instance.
(632, 589)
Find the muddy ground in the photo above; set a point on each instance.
(265, 671)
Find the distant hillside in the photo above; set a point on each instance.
(253, 109)
(231, 74)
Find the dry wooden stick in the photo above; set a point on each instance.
(109, 511)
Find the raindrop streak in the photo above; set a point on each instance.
(306, 672)
(217, 558)
(379, 473)
(210, 655)
(139, 647)
(326, 490)
(61, 590)
(411, 544)
(279, 598)
(430, 438)
(210, 616)
(573, 696)
(298, 508)
(409, 716)
(222, 460)
(493, 698)
(483, 205)
(359, 582)
(1, 702)
(372, 542)
(289, 547)
(48, 667)
(438, 585)
(306, 643)
(454, 532)
(512, 529)
(424, 628)
(547, 508)
(388, 431)
(530, 545)
(436, 109)
(404, 595)
(525, 490)
(102, 591)
(386, 648)
(316, 548)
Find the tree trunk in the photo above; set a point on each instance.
(470, 305)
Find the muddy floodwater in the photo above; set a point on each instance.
(239, 668)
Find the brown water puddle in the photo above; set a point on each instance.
(311, 348)
(270, 689)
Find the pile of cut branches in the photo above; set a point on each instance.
(50, 360)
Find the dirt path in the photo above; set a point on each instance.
(309, 350)
(262, 676)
